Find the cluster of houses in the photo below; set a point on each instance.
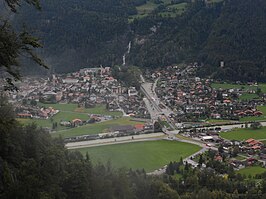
(29, 111)
(194, 99)
(129, 101)
(86, 87)
(133, 104)
(92, 118)
(249, 152)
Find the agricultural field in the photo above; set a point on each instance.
(248, 96)
(146, 8)
(216, 1)
(68, 112)
(218, 121)
(95, 128)
(253, 118)
(240, 158)
(252, 171)
(245, 87)
(150, 155)
(264, 142)
(98, 109)
(262, 109)
(171, 10)
(244, 134)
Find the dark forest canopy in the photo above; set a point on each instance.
(78, 34)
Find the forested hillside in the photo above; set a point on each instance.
(76, 34)
(84, 33)
(238, 39)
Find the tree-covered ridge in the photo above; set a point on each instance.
(175, 39)
(85, 33)
(238, 39)
(80, 33)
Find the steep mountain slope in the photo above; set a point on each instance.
(173, 40)
(239, 39)
(81, 33)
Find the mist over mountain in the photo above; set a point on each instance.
(83, 33)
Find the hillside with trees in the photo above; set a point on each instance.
(85, 33)
(238, 39)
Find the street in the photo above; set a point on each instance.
(116, 140)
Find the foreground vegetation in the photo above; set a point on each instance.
(148, 155)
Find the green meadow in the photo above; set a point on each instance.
(244, 134)
(150, 155)
(252, 171)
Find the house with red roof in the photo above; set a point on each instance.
(77, 122)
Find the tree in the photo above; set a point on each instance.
(201, 160)
(33, 102)
(220, 149)
(14, 44)
(235, 151)
(157, 127)
(13, 4)
(256, 125)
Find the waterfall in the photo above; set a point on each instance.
(129, 47)
(127, 52)
(124, 59)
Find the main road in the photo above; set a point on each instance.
(116, 140)
(153, 103)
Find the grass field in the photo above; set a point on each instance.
(68, 112)
(246, 87)
(264, 142)
(262, 109)
(217, 121)
(98, 109)
(146, 8)
(244, 134)
(240, 158)
(172, 10)
(95, 128)
(149, 155)
(178, 7)
(248, 96)
(252, 171)
(216, 1)
(253, 118)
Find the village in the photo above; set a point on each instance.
(195, 100)
(196, 105)
(86, 89)
(238, 153)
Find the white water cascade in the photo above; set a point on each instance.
(128, 51)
